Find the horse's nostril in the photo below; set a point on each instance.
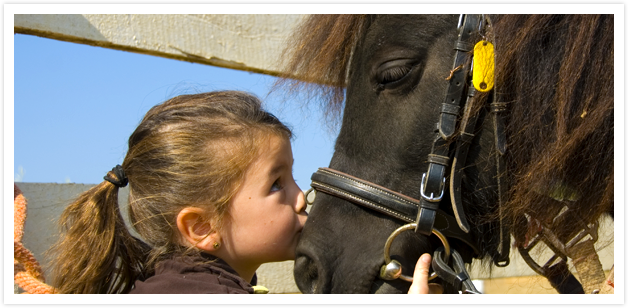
(306, 274)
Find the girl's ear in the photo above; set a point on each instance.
(197, 231)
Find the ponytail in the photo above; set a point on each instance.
(95, 252)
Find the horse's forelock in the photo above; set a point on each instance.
(317, 59)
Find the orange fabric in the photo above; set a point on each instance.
(27, 273)
(19, 214)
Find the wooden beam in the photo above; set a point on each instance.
(244, 42)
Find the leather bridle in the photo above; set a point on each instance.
(423, 215)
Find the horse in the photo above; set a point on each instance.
(468, 169)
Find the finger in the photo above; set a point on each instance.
(421, 273)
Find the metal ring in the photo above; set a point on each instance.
(307, 194)
(413, 226)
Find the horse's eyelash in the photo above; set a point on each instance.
(395, 73)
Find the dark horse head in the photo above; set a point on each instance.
(554, 74)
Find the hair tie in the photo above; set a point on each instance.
(121, 180)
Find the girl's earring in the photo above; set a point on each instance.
(216, 245)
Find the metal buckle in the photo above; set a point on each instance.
(431, 197)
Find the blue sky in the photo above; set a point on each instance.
(76, 105)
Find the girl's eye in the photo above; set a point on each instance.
(276, 186)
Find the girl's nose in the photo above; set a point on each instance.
(301, 205)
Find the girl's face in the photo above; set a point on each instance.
(267, 213)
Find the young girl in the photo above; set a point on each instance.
(211, 196)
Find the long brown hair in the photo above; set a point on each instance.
(555, 72)
(191, 150)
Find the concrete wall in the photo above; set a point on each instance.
(46, 202)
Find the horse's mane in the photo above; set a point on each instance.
(556, 74)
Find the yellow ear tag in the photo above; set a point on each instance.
(483, 66)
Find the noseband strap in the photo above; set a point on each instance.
(385, 201)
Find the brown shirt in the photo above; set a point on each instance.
(193, 275)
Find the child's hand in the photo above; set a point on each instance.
(421, 273)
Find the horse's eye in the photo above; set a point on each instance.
(391, 73)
